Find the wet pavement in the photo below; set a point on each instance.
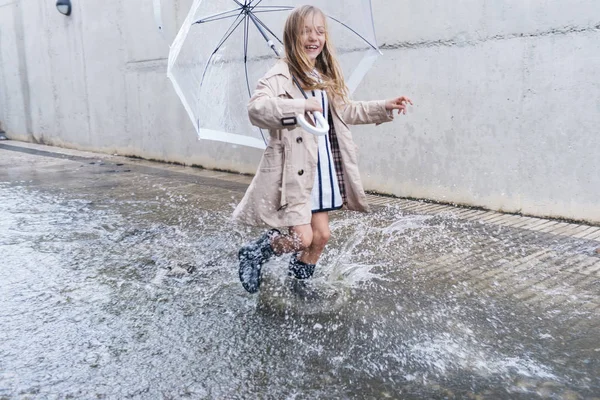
(118, 279)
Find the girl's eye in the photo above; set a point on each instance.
(307, 31)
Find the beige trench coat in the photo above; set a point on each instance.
(280, 193)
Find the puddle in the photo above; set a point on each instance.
(133, 292)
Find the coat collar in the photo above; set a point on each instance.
(282, 69)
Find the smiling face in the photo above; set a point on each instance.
(308, 47)
(312, 36)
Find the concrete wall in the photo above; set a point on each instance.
(506, 115)
(14, 100)
(508, 105)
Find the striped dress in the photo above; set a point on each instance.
(325, 194)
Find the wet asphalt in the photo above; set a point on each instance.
(118, 279)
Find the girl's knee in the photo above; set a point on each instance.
(321, 237)
(303, 239)
(306, 242)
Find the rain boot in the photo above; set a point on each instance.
(299, 269)
(252, 256)
(299, 272)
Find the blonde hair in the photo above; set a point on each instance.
(332, 79)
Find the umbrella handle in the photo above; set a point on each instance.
(322, 127)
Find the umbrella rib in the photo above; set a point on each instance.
(353, 31)
(246, 67)
(214, 16)
(246, 54)
(266, 11)
(259, 1)
(228, 33)
(286, 8)
(266, 27)
(276, 8)
(216, 19)
(245, 39)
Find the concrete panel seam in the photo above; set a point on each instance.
(147, 65)
(457, 42)
(24, 69)
(8, 3)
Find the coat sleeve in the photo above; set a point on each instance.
(365, 112)
(268, 111)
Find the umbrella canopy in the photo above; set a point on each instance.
(225, 46)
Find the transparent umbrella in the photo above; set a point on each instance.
(225, 46)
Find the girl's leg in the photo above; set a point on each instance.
(309, 239)
(300, 238)
(320, 236)
(302, 265)
(253, 255)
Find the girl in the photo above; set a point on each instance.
(301, 177)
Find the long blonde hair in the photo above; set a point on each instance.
(332, 79)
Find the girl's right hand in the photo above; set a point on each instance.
(312, 104)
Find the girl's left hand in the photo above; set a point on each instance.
(399, 103)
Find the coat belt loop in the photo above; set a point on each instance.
(283, 202)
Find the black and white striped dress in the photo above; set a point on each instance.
(325, 194)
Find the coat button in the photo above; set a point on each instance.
(301, 172)
(299, 139)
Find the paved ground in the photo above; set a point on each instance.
(457, 302)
